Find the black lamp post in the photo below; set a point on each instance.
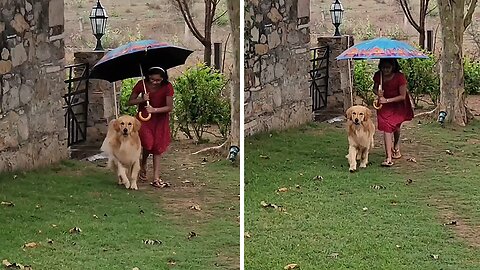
(98, 19)
(336, 12)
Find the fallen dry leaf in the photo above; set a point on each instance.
(50, 241)
(54, 225)
(364, 208)
(409, 181)
(377, 187)
(196, 207)
(247, 235)
(152, 242)
(191, 235)
(398, 246)
(30, 245)
(449, 152)
(75, 230)
(333, 255)
(171, 262)
(412, 159)
(434, 256)
(297, 186)
(8, 203)
(291, 266)
(453, 222)
(9, 265)
(283, 189)
(95, 216)
(135, 268)
(318, 177)
(264, 157)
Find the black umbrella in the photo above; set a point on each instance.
(134, 58)
(125, 61)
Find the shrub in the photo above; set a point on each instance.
(363, 80)
(472, 76)
(422, 77)
(127, 86)
(198, 101)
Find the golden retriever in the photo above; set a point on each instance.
(360, 130)
(123, 147)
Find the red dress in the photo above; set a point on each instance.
(391, 116)
(155, 133)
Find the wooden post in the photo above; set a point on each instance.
(429, 40)
(217, 49)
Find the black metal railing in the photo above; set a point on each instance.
(319, 77)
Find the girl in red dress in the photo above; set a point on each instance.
(155, 132)
(396, 107)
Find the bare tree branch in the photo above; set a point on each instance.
(216, 19)
(184, 8)
(408, 14)
(468, 17)
(432, 9)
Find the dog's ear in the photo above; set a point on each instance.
(368, 114)
(136, 125)
(348, 113)
(116, 124)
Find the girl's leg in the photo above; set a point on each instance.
(388, 139)
(396, 144)
(142, 176)
(156, 167)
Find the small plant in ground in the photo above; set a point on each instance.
(198, 101)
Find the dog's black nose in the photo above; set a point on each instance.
(356, 120)
(125, 130)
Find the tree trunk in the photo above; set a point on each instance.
(234, 14)
(207, 53)
(452, 85)
(421, 22)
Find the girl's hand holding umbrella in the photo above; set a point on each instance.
(146, 98)
(377, 104)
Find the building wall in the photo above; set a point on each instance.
(32, 132)
(277, 62)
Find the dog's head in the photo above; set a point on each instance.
(126, 125)
(358, 114)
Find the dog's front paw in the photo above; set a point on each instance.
(363, 165)
(134, 186)
(352, 170)
(127, 185)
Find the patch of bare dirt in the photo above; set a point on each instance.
(461, 226)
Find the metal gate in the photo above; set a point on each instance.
(76, 103)
(319, 77)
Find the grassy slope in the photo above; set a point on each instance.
(69, 194)
(327, 217)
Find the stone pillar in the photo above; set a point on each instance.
(339, 77)
(101, 100)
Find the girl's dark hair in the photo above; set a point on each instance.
(160, 71)
(390, 61)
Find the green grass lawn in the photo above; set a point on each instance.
(115, 221)
(343, 221)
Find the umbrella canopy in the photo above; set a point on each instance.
(381, 48)
(124, 62)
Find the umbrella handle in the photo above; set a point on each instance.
(376, 104)
(140, 116)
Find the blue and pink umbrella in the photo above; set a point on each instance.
(381, 48)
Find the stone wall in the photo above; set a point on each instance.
(101, 100)
(32, 132)
(339, 97)
(277, 61)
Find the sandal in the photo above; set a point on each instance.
(396, 153)
(158, 183)
(142, 176)
(387, 163)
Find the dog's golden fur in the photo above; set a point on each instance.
(360, 130)
(123, 147)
